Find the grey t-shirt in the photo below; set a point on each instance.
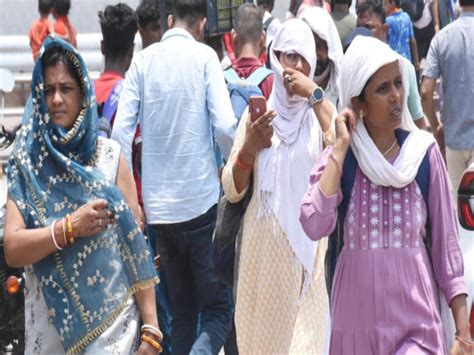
(345, 23)
(451, 56)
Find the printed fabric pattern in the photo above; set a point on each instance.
(51, 173)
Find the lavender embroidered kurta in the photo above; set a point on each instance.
(384, 296)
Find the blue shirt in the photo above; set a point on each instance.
(400, 31)
(176, 89)
(451, 56)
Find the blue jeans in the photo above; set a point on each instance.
(162, 302)
(187, 256)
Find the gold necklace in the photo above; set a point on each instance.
(391, 147)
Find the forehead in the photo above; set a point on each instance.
(385, 73)
(368, 16)
(57, 73)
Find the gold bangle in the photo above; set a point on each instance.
(465, 342)
(152, 342)
(69, 229)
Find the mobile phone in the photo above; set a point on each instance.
(257, 107)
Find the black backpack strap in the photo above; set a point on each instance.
(336, 239)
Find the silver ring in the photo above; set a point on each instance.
(288, 77)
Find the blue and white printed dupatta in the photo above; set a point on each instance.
(51, 173)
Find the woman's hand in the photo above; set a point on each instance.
(91, 218)
(296, 83)
(259, 133)
(345, 124)
(460, 348)
(146, 349)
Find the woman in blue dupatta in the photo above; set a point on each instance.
(69, 222)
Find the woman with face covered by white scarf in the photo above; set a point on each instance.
(281, 303)
(384, 296)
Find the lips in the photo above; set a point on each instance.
(397, 112)
(58, 113)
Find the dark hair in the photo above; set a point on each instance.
(119, 26)
(57, 54)
(189, 9)
(466, 3)
(62, 7)
(45, 6)
(248, 23)
(269, 3)
(372, 7)
(148, 12)
(342, 2)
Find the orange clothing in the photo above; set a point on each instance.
(39, 30)
(65, 29)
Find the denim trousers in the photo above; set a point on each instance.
(200, 303)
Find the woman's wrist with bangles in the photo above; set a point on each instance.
(152, 335)
(62, 233)
(245, 160)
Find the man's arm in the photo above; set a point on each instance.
(427, 91)
(126, 119)
(414, 52)
(219, 106)
(435, 14)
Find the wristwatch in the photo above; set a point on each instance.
(316, 96)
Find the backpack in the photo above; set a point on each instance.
(414, 8)
(240, 91)
(109, 108)
(336, 239)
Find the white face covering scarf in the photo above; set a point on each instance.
(284, 168)
(322, 24)
(364, 57)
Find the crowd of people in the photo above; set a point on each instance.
(347, 238)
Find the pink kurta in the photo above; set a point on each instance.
(384, 297)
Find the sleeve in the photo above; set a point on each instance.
(446, 252)
(318, 212)
(126, 118)
(432, 68)
(414, 101)
(219, 105)
(228, 183)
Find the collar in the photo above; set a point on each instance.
(467, 14)
(174, 32)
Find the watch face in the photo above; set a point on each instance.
(318, 94)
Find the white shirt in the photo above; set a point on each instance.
(176, 89)
(426, 17)
(272, 29)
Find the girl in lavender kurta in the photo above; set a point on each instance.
(385, 287)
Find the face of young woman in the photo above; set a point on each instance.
(295, 61)
(63, 95)
(382, 105)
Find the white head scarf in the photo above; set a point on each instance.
(364, 57)
(284, 168)
(322, 24)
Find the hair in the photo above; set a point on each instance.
(189, 10)
(45, 6)
(248, 23)
(342, 2)
(57, 54)
(374, 8)
(148, 12)
(119, 26)
(62, 7)
(466, 3)
(269, 3)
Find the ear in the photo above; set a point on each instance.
(385, 29)
(234, 38)
(202, 27)
(358, 106)
(263, 41)
(102, 48)
(170, 21)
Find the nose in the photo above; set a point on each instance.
(57, 99)
(299, 64)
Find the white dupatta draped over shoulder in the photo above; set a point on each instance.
(364, 57)
(284, 168)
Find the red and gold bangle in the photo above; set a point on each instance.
(70, 235)
(152, 342)
(243, 166)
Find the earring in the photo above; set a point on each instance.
(361, 114)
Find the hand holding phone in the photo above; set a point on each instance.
(257, 107)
